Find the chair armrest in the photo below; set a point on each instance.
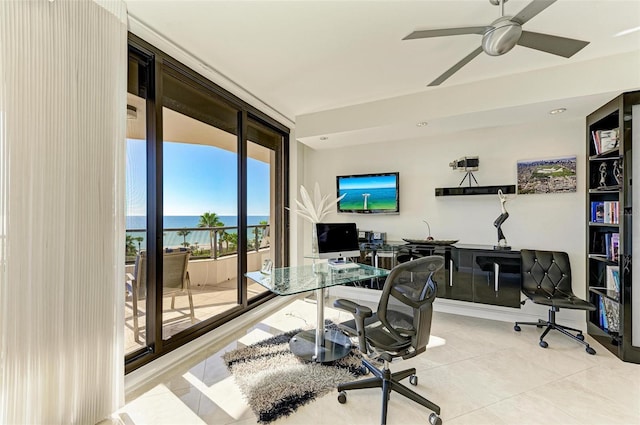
(353, 308)
(130, 284)
(360, 312)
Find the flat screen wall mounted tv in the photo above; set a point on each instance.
(369, 193)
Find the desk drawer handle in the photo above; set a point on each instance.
(496, 272)
(450, 272)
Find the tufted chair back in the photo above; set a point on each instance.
(546, 273)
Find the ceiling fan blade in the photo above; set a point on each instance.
(455, 68)
(531, 10)
(561, 46)
(446, 31)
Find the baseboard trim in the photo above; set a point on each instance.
(528, 313)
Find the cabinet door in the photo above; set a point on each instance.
(412, 251)
(459, 285)
(496, 279)
(442, 276)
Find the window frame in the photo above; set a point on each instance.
(156, 62)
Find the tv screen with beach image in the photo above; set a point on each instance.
(369, 193)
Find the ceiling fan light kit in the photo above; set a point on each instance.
(503, 34)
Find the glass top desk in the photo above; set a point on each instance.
(319, 345)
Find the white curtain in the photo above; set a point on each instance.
(62, 131)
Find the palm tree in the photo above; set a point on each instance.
(130, 247)
(260, 232)
(210, 220)
(222, 237)
(232, 241)
(226, 237)
(139, 239)
(184, 234)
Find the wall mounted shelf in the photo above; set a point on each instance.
(474, 190)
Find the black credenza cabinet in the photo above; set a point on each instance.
(473, 273)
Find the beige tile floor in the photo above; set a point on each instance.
(479, 371)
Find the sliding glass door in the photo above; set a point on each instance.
(205, 203)
(200, 202)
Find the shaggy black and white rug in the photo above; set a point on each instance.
(275, 382)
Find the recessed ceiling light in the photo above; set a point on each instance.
(422, 124)
(324, 138)
(557, 111)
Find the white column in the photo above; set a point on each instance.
(62, 130)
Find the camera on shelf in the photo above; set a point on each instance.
(467, 163)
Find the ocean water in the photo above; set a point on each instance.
(379, 199)
(200, 237)
(180, 221)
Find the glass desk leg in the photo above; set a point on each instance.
(320, 345)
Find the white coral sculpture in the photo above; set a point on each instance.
(315, 210)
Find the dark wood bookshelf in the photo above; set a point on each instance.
(609, 180)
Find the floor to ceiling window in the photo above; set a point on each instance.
(206, 191)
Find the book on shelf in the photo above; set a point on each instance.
(611, 245)
(602, 314)
(615, 244)
(611, 315)
(605, 212)
(605, 140)
(597, 212)
(613, 278)
(611, 212)
(608, 139)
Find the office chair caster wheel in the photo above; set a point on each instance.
(544, 344)
(435, 419)
(364, 370)
(591, 351)
(517, 328)
(580, 337)
(342, 397)
(413, 380)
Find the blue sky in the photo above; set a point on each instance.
(197, 179)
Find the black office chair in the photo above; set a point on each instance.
(400, 328)
(546, 280)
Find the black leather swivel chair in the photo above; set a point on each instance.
(400, 328)
(546, 280)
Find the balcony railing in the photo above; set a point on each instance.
(204, 242)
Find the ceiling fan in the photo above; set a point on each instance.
(503, 34)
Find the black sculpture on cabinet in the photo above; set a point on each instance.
(502, 241)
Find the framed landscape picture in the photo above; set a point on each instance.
(551, 175)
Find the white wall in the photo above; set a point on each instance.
(546, 221)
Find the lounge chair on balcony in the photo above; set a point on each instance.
(175, 281)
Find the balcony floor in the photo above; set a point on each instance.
(208, 301)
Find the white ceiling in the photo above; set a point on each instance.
(305, 57)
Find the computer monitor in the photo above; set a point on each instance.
(337, 240)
